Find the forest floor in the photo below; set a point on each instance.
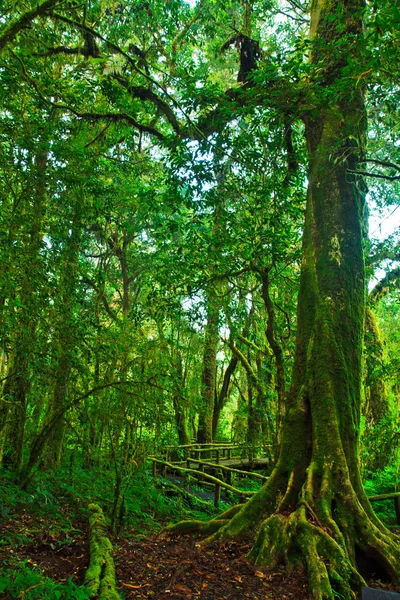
(44, 550)
(147, 566)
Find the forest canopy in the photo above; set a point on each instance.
(186, 258)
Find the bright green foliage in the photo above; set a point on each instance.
(152, 199)
(24, 581)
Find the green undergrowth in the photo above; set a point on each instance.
(23, 581)
(61, 498)
(56, 505)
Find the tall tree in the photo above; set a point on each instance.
(314, 505)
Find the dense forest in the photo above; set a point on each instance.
(199, 251)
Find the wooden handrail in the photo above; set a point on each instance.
(225, 468)
(392, 496)
(211, 448)
(208, 444)
(204, 475)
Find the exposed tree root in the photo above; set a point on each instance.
(323, 529)
(204, 527)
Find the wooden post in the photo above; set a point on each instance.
(154, 469)
(229, 454)
(217, 495)
(188, 463)
(201, 468)
(397, 509)
(217, 456)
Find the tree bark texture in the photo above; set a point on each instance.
(209, 373)
(379, 413)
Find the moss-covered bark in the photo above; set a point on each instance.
(376, 392)
(378, 410)
(208, 378)
(100, 576)
(313, 509)
(65, 339)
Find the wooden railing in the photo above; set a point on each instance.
(395, 496)
(221, 482)
(208, 457)
(215, 450)
(203, 478)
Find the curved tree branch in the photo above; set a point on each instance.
(11, 31)
(385, 285)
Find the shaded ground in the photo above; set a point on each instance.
(149, 566)
(179, 568)
(59, 554)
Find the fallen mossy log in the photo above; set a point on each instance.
(100, 576)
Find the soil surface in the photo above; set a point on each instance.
(159, 567)
(149, 566)
(178, 567)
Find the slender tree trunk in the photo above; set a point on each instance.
(65, 339)
(379, 413)
(376, 392)
(181, 417)
(275, 347)
(221, 398)
(54, 446)
(14, 404)
(252, 428)
(208, 379)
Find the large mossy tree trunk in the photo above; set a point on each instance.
(313, 509)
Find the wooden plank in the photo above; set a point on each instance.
(217, 494)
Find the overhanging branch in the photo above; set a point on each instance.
(12, 30)
(385, 285)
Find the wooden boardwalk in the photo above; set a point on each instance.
(213, 465)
